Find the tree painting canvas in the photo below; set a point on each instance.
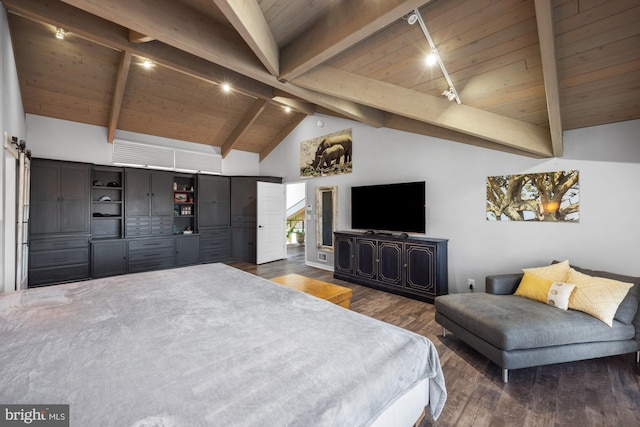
(327, 155)
(549, 197)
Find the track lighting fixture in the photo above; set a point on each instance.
(226, 87)
(433, 56)
(147, 64)
(60, 33)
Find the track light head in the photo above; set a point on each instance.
(450, 93)
(412, 18)
(60, 33)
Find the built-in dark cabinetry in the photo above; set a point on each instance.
(108, 257)
(244, 195)
(148, 203)
(59, 197)
(59, 222)
(214, 217)
(99, 221)
(187, 249)
(414, 266)
(107, 202)
(184, 204)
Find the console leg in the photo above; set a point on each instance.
(505, 375)
(444, 333)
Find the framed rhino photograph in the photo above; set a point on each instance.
(326, 155)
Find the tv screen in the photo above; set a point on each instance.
(389, 207)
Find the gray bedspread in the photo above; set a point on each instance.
(207, 345)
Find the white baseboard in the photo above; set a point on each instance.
(318, 265)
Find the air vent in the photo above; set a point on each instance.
(136, 154)
(201, 162)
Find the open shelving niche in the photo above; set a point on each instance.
(184, 204)
(106, 202)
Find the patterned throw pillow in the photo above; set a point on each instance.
(555, 272)
(597, 296)
(550, 292)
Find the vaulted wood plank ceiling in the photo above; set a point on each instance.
(525, 70)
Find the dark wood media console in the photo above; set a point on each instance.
(414, 267)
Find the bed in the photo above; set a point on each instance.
(210, 345)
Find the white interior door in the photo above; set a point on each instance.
(272, 235)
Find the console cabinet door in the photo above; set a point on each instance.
(45, 198)
(420, 261)
(161, 194)
(344, 255)
(137, 193)
(390, 263)
(366, 258)
(187, 250)
(74, 199)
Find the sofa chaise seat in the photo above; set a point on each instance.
(516, 332)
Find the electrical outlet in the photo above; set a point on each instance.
(472, 284)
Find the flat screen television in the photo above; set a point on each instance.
(389, 207)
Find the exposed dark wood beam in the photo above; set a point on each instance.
(247, 18)
(247, 120)
(345, 25)
(430, 109)
(295, 121)
(118, 94)
(546, 34)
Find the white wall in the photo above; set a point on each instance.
(65, 140)
(456, 174)
(13, 122)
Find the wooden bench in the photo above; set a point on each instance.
(333, 293)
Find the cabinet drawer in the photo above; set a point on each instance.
(44, 276)
(152, 264)
(59, 258)
(150, 254)
(156, 243)
(59, 243)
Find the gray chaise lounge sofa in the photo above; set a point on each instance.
(516, 332)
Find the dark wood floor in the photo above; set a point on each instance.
(599, 392)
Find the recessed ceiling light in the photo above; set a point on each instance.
(226, 87)
(60, 33)
(287, 109)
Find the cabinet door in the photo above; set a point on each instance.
(344, 255)
(187, 250)
(214, 200)
(243, 244)
(137, 193)
(161, 194)
(244, 192)
(420, 261)
(45, 198)
(74, 199)
(390, 263)
(109, 258)
(366, 258)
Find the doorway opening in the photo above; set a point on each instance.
(296, 212)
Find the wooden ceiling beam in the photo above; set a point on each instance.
(247, 120)
(118, 94)
(296, 104)
(209, 41)
(136, 37)
(295, 121)
(546, 34)
(430, 109)
(345, 25)
(247, 18)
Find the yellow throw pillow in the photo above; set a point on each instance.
(597, 296)
(544, 290)
(534, 287)
(555, 272)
